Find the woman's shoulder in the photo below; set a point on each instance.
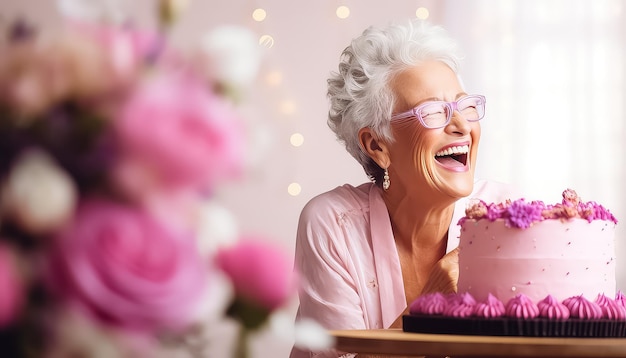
(331, 218)
(336, 207)
(344, 197)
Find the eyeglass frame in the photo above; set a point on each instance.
(414, 112)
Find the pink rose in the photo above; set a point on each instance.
(128, 269)
(38, 73)
(181, 132)
(11, 287)
(261, 273)
(126, 48)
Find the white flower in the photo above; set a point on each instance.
(78, 336)
(92, 10)
(217, 227)
(234, 54)
(306, 333)
(219, 295)
(311, 335)
(38, 194)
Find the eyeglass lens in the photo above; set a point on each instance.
(437, 114)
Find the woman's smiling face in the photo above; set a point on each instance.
(441, 160)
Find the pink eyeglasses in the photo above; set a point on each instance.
(437, 114)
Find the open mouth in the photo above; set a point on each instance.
(453, 156)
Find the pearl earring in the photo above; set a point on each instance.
(386, 181)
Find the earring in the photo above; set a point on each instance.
(386, 181)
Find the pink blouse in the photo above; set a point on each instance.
(348, 261)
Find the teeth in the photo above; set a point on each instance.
(453, 150)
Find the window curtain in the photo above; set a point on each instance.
(554, 74)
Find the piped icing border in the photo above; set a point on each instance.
(520, 306)
(523, 214)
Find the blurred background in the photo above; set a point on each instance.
(553, 72)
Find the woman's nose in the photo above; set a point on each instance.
(458, 123)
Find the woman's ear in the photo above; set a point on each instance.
(377, 149)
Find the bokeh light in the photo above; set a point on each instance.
(296, 139)
(294, 189)
(267, 41)
(287, 107)
(259, 15)
(422, 13)
(343, 12)
(274, 78)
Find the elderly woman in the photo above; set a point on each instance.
(366, 252)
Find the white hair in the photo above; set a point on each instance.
(360, 94)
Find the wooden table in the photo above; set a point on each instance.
(395, 342)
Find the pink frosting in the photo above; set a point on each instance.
(492, 307)
(580, 307)
(430, 304)
(521, 306)
(462, 306)
(550, 308)
(452, 298)
(620, 298)
(610, 308)
(522, 214)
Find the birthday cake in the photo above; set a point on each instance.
(531, 269)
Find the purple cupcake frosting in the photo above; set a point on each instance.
(492, 307)
(610, 308)
(521, 306)
(461, 307)
(580, 307)
(550, 308)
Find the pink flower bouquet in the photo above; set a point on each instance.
(110, 141)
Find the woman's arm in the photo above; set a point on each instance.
(329, 291)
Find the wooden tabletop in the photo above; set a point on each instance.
(395, 342)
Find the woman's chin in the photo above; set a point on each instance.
(459, 186)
